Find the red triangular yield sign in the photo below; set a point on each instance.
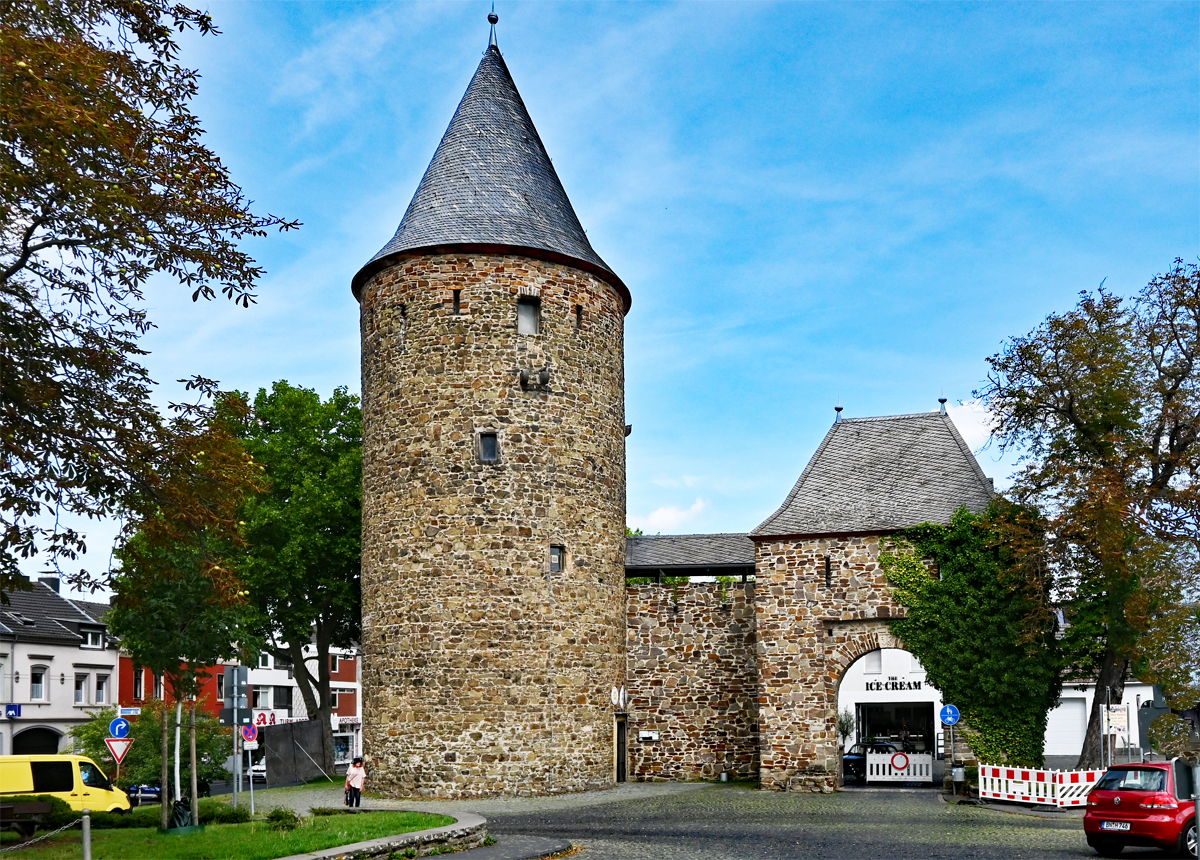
(119, 747)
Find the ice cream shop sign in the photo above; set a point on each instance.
(892, 684)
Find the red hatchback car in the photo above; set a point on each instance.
(1148, 805)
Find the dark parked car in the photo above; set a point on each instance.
(1147, 805)
(139, 794)
(854, 760)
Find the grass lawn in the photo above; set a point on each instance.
(253, 841)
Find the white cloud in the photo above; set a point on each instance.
(669, 518)
(973, 421)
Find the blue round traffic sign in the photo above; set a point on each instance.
(250, 732)
(119, 728)
(948, 715)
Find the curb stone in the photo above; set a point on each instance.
(467, 832)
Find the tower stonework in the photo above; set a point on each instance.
(493, 474)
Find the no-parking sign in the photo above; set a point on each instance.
(250, 732)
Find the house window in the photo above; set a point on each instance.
(262, 698)
(158, 686)
(529, 312)
(139, 684)
(333, 699)
(489, 447)
(92, 639)
(333, 662)
(101, 689)
(284, 664)
(37, 684)
(264, 661)
(457, 302)
(283, 699)
(558, 557)
(81, 689)
(221, 686)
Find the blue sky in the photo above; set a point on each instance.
(810, 202)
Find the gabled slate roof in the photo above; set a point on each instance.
(664, 551)
(880, 475)
(43, 615)
(491, 187)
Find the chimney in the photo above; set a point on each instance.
(50, 582)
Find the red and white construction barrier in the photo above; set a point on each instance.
(1062, 788)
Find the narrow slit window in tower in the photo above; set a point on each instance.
(529, 311)
(489, 448)
(558, 555)
(457, 302)
(828, 573)
(578, 317)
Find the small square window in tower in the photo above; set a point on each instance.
(558, 558)
(489, 448)
(529, 313)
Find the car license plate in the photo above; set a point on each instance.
(1114, 825)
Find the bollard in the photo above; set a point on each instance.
(87, 835)
(724, 776)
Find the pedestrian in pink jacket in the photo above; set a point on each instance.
(355, 775)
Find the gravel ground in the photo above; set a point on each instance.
(704, 821)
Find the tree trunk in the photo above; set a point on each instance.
(163, 784)
(1112, 674)
(325, 706)
(192, 753)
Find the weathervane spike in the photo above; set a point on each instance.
(492, 19)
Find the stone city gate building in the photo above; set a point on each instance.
(497, 623)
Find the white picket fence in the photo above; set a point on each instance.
(899, 767)
(1062, 788)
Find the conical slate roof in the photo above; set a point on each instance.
(881, 475)
(491, 187)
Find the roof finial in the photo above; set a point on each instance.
(942, 400)
(837, 419)
(492, 19)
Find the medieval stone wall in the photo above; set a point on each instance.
(484, 672)
(809, 632)
(692, 677)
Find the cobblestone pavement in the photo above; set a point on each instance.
(693, 821)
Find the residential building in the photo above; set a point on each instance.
(57, 665)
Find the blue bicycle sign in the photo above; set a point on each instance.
(948, 715)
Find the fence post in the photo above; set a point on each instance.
(87, 835)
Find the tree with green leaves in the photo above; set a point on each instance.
(143, 762)
(180, 606)
(982, 624)
(303, 559)
(1104, 403)
(105, 182)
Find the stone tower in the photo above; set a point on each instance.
(493, 473)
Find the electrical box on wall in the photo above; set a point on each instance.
(647, 736)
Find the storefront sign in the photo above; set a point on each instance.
(892, 685)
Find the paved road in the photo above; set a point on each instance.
(731, 822)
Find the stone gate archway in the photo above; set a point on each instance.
(821, 604)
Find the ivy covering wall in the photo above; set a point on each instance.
(980, 621)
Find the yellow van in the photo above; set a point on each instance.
(74, 778)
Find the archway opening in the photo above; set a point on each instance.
(36, 742)
(892, 708)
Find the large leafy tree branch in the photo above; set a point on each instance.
(1104, 400)
(104, 183)
(303, 560)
